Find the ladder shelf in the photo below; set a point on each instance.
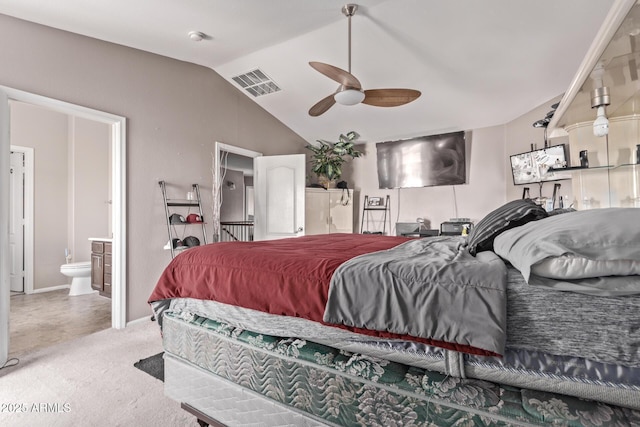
(175, 244)
(377, 205)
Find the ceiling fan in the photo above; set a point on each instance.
(350, 91)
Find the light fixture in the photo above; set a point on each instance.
(196, 36)
(600, 124)
(599, 99)
(544, 123)
(349, 97)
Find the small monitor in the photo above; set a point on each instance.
(539, 165)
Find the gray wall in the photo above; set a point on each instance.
(232, 208)
(71, 186)
(175, 112)
(90, 185)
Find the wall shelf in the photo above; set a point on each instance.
(580, 168)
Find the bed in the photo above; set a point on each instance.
(533, 319)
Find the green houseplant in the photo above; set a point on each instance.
(327, 158)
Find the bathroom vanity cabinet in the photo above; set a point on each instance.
(101, 267)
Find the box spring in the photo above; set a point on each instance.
(297, 382)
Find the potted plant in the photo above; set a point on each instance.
(328, 157)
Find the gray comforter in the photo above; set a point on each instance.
(430, 288)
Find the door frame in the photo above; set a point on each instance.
(118, 181)
(219, 147)
(28, 244)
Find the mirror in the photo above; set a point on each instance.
(604, 131)
(614, 58)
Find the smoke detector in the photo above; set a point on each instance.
(196, 36)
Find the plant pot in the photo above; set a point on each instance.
(326, 182)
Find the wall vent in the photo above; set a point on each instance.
(257, 83)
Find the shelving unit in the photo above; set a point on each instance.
(182, 203)
(379, 205)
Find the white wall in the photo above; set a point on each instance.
(483, 192)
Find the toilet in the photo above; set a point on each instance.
(80, 273)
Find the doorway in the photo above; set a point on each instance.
(118, 183)
(233, 220)
(277, 192)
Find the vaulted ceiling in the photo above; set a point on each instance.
(477, 63)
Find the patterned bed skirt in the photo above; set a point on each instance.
(321, 384)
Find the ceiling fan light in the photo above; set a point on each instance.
(349, 97)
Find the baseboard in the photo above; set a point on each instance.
(140, 320)
(52, 288)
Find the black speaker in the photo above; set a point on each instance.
(584, 159)
(638, 154)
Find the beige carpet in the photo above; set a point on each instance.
(90, 381)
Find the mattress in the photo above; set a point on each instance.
(546, 357)
(604, 329)
(319, 382)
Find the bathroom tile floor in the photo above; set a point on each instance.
(44, 319)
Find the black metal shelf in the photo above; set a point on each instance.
(182, 203)
(197, 203)
(381, 205)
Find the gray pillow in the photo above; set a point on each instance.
(507, 216)
(576, 245)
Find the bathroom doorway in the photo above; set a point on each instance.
(72, 180)
(117, 125)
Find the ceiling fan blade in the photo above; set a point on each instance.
(322, 106)
(390, 97)
(338, 74)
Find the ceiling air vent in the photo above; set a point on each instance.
(257, 83)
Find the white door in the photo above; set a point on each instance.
(4, 228)
(16, 221)
(279, 196)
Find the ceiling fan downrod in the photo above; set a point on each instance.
(349, 10)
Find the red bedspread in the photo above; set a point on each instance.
(287, 277)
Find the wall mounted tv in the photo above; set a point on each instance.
(533, 166)
(422, 161)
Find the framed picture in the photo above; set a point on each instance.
(375, 201)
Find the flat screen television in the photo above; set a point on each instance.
(422, 161)
(535, 166)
